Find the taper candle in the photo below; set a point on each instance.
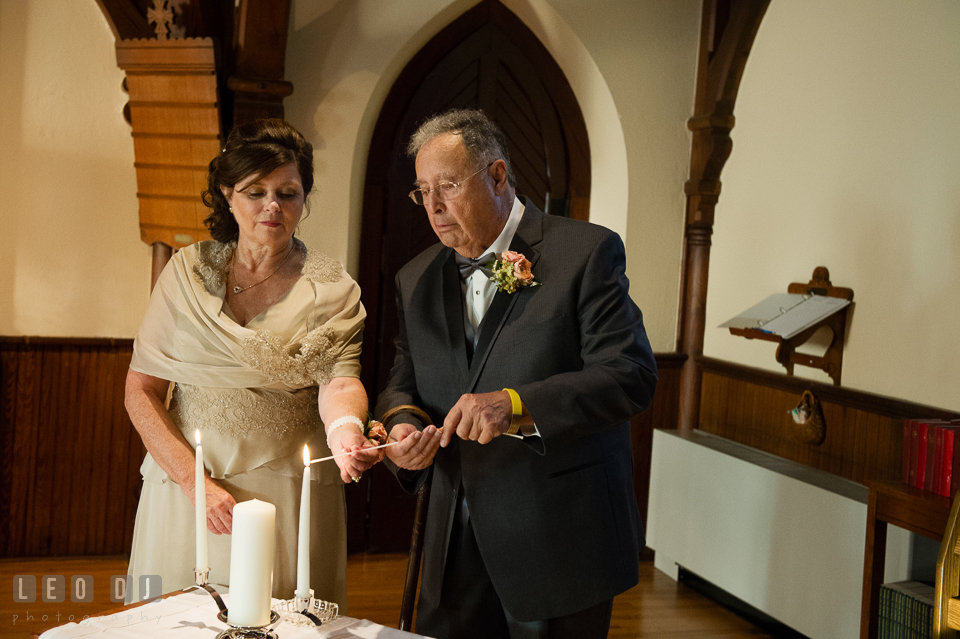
(303, 544)
(251, 563)
(200, 497)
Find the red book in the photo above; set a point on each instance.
(921, 456)
(914, 452)
(934, 460)
(938, 454)
(930, 470)
(946, 438)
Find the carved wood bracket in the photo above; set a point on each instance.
(175, 120)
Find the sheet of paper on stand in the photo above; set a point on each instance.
(787, 314)
(193, 615)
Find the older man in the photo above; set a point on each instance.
(532, 526)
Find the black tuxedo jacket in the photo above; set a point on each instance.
(555, 516)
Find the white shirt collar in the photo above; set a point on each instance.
(502, 243)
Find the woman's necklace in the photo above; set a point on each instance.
(237, 289)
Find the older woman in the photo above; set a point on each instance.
(261, 338)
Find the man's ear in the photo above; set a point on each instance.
(499, 175)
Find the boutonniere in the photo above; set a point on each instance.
(376, 434)
(374, 431)
(512, 271)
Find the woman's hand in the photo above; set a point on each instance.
(220, 505)
(341, 397)
(347, 439)
(144, 400)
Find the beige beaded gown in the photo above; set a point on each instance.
(251, 391)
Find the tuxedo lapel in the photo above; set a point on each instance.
(453, 310)
(503, 303)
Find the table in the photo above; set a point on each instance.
(918, 511)
(193, 615)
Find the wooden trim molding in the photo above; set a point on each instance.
(863, 432)
(840, 395)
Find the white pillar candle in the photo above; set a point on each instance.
(251, 563)
(303, 543)
(200, 497)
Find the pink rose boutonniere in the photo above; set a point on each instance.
(375, 433)
(512, 271)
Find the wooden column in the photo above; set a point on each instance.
(727, 31)
(161, 255)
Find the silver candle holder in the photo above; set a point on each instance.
(313, 611)
(201, 577)
(248, 632)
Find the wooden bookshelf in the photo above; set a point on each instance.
(918, 511)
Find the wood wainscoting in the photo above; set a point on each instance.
(69, 456)
(864, 432)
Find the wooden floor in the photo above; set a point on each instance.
(657, 607)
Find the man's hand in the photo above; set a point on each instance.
(478, 418)
(416, 448)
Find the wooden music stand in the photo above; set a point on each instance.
(832, 361)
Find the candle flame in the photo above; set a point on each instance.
(196, 434)
(306, 455)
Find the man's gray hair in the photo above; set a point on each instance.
(482, 139)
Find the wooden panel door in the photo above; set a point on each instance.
(486, 59)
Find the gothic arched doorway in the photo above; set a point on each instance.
(486, 59)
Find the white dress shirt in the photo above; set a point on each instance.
(480, 289)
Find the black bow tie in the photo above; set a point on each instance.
(468, 265)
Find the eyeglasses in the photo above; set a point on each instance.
(445, 190)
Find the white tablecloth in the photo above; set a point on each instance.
(193, 615)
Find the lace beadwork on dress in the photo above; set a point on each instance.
(241, 412)
(213, 264)
(312, 364)
(245, 428)
(264, 350)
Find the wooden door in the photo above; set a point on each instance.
(486, 59)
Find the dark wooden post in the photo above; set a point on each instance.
(727, 32)
(260, 49)
(161, 255)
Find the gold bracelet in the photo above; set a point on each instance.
(517, 406)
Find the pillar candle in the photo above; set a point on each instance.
(303, 544)
(251, 563)
(200, 497)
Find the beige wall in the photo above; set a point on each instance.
(847, 154)
(71, 262)
(75, 265)
(631, 65)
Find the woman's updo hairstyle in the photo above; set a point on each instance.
(257, 148)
